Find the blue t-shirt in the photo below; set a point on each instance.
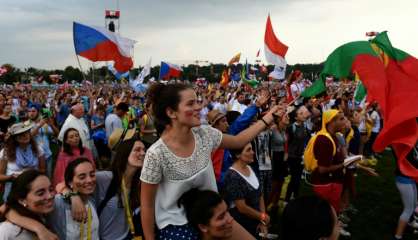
(63, 113)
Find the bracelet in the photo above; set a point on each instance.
(69, 194)
(264, 121)
(263, 218)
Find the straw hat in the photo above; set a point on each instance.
(214, 116)
(19, 128)
(119, 135)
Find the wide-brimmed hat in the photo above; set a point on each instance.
(119, 135)
(214, 116)
(19, 128)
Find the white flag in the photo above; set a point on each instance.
(145, 72)
(278, 72)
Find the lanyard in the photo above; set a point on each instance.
(88, 226)
(128, 212)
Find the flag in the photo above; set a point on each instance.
(360, 92)
(391, 78)
(137, 86)
(144, 72)
(99, 44)
(277, 73)
(258, 53)
(235, 59)
(225, 78)
(168, 70)
(316, 88)
(251, 82)
(3, 70)
(274, 50)
(118, 75)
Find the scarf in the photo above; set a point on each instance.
(26, 158)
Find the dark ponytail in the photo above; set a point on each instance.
(161, 97)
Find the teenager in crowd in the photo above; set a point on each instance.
(118, 190)
(310, 218)
(208, 213)
(31, 196)
(72, 148)
(180, 159)
(298, 136)
(19, 154)
(80, 180)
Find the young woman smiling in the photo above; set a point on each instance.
(31, 196)
(180, 160)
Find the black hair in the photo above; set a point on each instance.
(308, 218)
(21, 186)
(231, 116)
(122, 107)
(66, 147)
(337, 103)
(70, 169)
(293, 114)
(118, 167)
(161, 97)
(199, 205)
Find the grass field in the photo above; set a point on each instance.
(378, 202)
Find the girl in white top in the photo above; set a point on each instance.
(180, 160)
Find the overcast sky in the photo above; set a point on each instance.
(38, 33)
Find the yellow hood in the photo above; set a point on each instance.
(327, 116)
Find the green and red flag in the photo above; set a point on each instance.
(391, 78)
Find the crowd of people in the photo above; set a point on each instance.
(184, 161)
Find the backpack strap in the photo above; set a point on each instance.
(110, 192)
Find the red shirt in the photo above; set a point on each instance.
(217, 160)
(323, 151)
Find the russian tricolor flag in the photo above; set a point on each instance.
(99, 44)
(168, 70)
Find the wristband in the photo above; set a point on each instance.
(69, 194)
(264, 121)
(263, 218)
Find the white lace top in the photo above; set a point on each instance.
(175, 175)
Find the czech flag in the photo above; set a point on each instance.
(168, 70)
(274, 50)
(99, 44)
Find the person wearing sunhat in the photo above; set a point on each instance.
(118, 136)
(19, 154)
(218, 120)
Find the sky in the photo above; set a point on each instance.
(38, 33)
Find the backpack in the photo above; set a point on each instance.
(309, 160)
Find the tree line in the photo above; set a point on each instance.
(212, 73)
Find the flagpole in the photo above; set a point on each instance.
(159, 74)
(92, 74)
(81, 69)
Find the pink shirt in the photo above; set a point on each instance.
(64, 159)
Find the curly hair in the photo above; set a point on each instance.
(12, 144)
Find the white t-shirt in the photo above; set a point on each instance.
(376, 119)
(10, 231)
(222, 108)
(237, 106)
(176, 175)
